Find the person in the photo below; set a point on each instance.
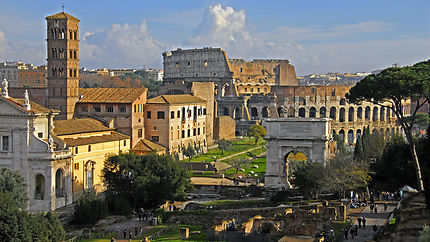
(112, 239)
(376, 209)
(375, 228)
(364, 222)
(346, 233)
(140, 217)
(359, 222)
(130, 237)
(136, 231)
(385, 207)
(351, 231)
(125, 233)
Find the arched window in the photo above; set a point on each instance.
(89, 169)
(312, 112)
(342, 101)
(342, 135)
(39, 193)
(342, 115)
(59, 183)
(254, 112)
(302, 112)
(375, 114)
(350, 136)
(367, 113)
(333, 113)
(382, 114)
(265, 112)
(359, 113)
(323, 112)
(351, 114)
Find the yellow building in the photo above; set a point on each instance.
(89, 142)
(176, 122)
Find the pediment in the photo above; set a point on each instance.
(9, 108)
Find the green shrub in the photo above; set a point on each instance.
(89, 209)
(118, 205)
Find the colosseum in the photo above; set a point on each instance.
(249, 91)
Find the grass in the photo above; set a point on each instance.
(174, 235)
(100, 237)
(238, 202)
(261, 162)
(338, 226)
(238, 145)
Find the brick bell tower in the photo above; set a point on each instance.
(63, 63)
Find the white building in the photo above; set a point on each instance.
(27, 145)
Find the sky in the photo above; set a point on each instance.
(316, 36)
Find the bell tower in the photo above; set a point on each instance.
(63, 63)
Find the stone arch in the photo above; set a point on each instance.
(312, 112)
(382, 114)
(375, 114)
(302, 112)
(367, 113)
(333, 113)
(59, 183)
(359, 113)
(358, 134)
(254, 113)
(291, 112)
(237, 113)
(342, 115)
(225, 111)
(265, 112)
(350, 136)
(39, 193)
(323, 112)
(342, 135)
(351, 114)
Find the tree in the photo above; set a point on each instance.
(12, 182)
(145, 181)
(358, 150)
(309, 178)
(189, 152)
(395, 168)
(224, 145)
(238, 163)
(343, 173)
(89, 209)
(256, 131)
(20, 225)
(339, 143)
(390, 89)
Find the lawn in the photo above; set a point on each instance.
(260, 171)
(196, 234)
(238, 145)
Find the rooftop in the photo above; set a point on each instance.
(110, 95)
(62, 15)
(113, 136)
(35, 108)
(147, 146)
(175, 99)
(76, 126)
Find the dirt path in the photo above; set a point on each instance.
(242, 152)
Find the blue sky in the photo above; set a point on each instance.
(316, 36)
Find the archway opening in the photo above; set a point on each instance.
(265, 112)
(39, 193)
(323, 112)
(225, 111)
(342, 115)
(312, 112)
(351, 114)
(254, 113)
(351, 137)
(302, 112)
(59, 183)
(333, 113)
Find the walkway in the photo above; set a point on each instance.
(242, 152)
(380, 218)
(130, 225)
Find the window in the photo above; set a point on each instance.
(160, 115)
(84, 108)
(172, 114)
(139, 133)
(5, 143)
(178, 114)
(125, 142)
(155, 127)
(194, 132)
(97, 108)
(155, 138)
(89, 148)
(122, 109)
(148, 114)
(198, 131)
(189, 133)
(204, 111)
(40, 135)
(183, 134)
(189, 64)
(76, 150)
(109, 109)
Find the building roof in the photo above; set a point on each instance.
(110, 95)
(95, 139)
(62, 15)
(35, 108)
(147, 146)
(175, 99)
(75, 126)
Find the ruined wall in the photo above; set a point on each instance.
(205, 91)
(224, 128)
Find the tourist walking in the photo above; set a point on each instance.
(376, 209)
(345, 232)
(359, 222)
(364, 222)
(375, 228)
(351, 231)
(125, 233)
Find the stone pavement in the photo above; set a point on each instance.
(130, 225)
(380, 218)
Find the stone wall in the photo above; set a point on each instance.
(224, 128)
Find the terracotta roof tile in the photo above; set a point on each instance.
(62, 15)
(145, 145)
(110, 95)
(175, 99)
(35, 108)
(75, 126)
(113, 136)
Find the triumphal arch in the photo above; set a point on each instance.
(286, 135)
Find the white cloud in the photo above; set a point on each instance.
(121, 46)
(30, 52)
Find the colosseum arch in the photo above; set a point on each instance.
(284, 135)
(342, 115)
(351, 114)
(323, 112)
(375, 114)
(382, 114)
(333, 113)
(302, 112)
(367, 113)
(359, 113)
(312, 112)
